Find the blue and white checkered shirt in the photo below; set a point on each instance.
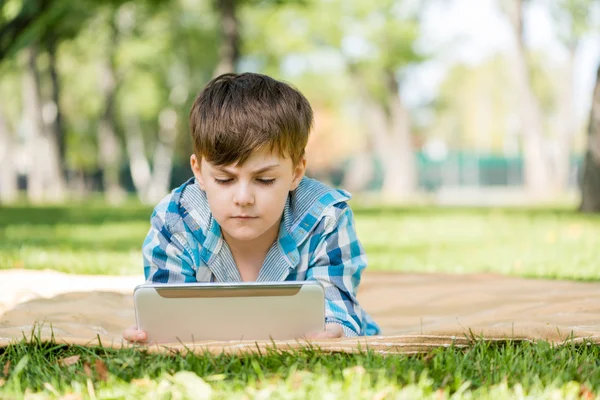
(317, 241)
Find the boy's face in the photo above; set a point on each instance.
(247, 201)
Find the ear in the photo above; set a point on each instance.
(196, 165)
(299, 171)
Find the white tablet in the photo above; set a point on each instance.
(186, 313)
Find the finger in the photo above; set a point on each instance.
(335, 329)
(134, 335)
(329, 335)
(332, 331)
(324, 335)
(309, 336)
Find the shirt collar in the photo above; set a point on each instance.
(288, 248)
(303, 210)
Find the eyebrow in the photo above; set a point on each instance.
(257, 171)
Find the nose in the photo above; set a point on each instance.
(243, 195)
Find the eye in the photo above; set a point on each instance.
(266, 182)
(223, 181)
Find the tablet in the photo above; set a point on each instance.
(190, 312)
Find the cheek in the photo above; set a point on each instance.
(273, 202)
(216, 199)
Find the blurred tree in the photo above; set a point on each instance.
(24, 22)
(19, 21)
(169, 48)
(45, 180)
(39, 26)
(369, 46)
(574, 21)
(56, 119)
(378, 42)
(8, 173)
(164, 58)
(537, 166)
(35, 25)
(153, 56)
(590, 186)
(474, 104)
(11, 159)
(109, 143)
(229, 51)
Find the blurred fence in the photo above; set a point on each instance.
(457, 169)
(464, 169)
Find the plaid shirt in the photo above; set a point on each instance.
(317, 241)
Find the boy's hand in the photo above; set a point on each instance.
(133, 335)
(332, 331)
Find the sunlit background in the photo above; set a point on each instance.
(481, 102)
(468, 132)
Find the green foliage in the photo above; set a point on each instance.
(40, 21)
(575, 19)
(10, 88)
(373, 38)
(472, 106)
(544, 83)
(162, 53)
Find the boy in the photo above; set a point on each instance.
(249, 213)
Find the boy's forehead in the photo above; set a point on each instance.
(258, 160)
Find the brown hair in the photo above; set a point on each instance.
(234, 115)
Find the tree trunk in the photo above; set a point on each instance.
(138, 162)
(537, 174)
(162, 163)
(57, 122)
(390, 132)
(567, 126)
(38, 148)
(359, 173)
(401, 174)
(152, 184)
(590, 185)
(229, 32)
(8, 172)
(109, 146)
(110, 149)
(32, 121)
(55, 137)
(44, 173)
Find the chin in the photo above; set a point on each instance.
(244, 234)
(243, 237)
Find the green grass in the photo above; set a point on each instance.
(80, 239)
(554, 243)
(551, 243)
(490, 371)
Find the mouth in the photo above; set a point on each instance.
(244, 217)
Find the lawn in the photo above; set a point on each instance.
(555, 243)
(99, 239)
(484, 371)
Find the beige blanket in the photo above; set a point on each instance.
(417, 312)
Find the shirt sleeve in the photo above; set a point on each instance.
(338, 262)
(165, 258)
